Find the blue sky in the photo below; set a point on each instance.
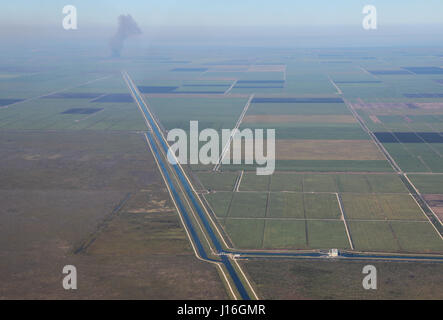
(221, 12)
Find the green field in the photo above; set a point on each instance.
(425, 183)
(319, 183)
(286, 182)
(217, 181)
(253, 182)
(381, 207)
(245, 234)
(391, 236)
(327, 234)
(285, 235)
(219, 202)
(321, 206)
(286, 205)
(246, 204)
(215, 113)
(343, 183)
(373, 236)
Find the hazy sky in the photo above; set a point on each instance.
(221, 12)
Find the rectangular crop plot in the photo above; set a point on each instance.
(373, 236)
(253, 182)
(200, 92)
(218, 181)
(327, 235)
(284, 235)
(245, 233)
(248, 204)
(82, 110)
(291, 118)
(262, 86)
(295, 149)
(381, 207)
(74, 95)
(314, 131)
(353, 183)
(389, 72)
(324, 109)
(417, 236)
(425, 70)
(321, 206)
(297, 100)
(156, 89)
(409, 137)
(386, 183)
(5, 102)
(260, 81)
(423, 95)
(189, 69)
(115, 97)
(358, 82)
(319, 183)
(286, 182)
(286, 205)
(425, 183)
(219, 202)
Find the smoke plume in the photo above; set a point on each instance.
(126, 27)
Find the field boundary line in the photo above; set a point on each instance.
(230, 88)
(238, 181)
(233, 132)
(351, 243)
(418, 193)
(335, 85)
(54, 92)
(90, 239)
(435, 228)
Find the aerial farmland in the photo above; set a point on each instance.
(89, 176)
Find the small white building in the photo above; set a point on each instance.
(333, 253)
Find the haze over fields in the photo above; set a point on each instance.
(85, 176)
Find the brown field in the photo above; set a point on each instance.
(388, 108)
(229, 68)
(196, 95)
(267, 68)
(435, 201)
(319, 150)
(331, 279)
(327, 150)
(375, 119)
(283, 118)
(94, 200)
(430, 105)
